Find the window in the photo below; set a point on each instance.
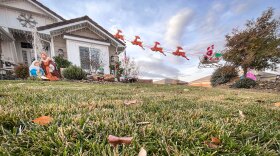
(90, 58)
(26, 45)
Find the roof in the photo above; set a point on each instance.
(74, 20)
(47, 9)
(203, 79)
(90, 38)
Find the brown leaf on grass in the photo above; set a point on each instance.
(277, 104)
(43, 120)
(126, 102)
(114, 140)
(241, 114)
(142, 152)
(211, 145)
(215, 141)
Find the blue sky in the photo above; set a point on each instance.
(193, 24)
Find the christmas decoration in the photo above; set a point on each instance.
(180, 53)
(26, 20)
(118, 35)
(156, 48)
(137, 42)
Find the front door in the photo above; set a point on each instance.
(27, 53)
(27, 56)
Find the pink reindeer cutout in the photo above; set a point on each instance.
(157, 48)
(180, 52)
(137, 42)
(119, 35)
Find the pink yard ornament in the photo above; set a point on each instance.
(250, 75)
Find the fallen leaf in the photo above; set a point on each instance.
(142, 152)
(241, 114)
(126, 102)
(211, 145)
(277, 104)
(215, 141)
(143, 123)
(43, 120)
(114, 140)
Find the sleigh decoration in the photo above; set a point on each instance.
(179, 52)
(157, 48)
(137, 42)
(211, 59)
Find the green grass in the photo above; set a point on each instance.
(181, 118)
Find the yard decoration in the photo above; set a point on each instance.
(178, 52)
(156, 48)
(126, 102)
(114, 140)
(43, 120)
(142, 152)
(118, 35)
(137, 42)
(210, 59)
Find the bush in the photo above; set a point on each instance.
(244, 83)
(74, 73)
(22, 71)
(223, 75)
(61, 62)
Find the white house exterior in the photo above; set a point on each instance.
(78, 40)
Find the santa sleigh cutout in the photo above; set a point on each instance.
(210, 59)
(179, 52)
(157, 48)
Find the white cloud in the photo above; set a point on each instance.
(176, 25)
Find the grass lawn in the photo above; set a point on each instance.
(181, 119)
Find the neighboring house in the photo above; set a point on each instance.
(267, 76)
(79, 40)
(202, 82)
(170, 81)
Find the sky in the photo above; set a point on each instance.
(192, 24)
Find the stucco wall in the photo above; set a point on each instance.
(86, 33)
(74, 52)
(8, 17)
(60, 43)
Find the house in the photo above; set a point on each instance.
(202, 82)
(27, 27)
(267, 76)
(170, 81)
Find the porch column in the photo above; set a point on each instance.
(52, 47)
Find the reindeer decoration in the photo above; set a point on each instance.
(156, 48)
(118, 35)
(178, 52)
(137, 42)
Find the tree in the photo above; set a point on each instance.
(257, 45)
(130, 67)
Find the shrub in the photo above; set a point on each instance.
(244, 83)
(74, 73)
(22, 71)
(61, 62)
(223, 75)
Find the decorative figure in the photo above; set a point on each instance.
(49, 67)
(180, 53)
(137, 42)
(36, 71)
(210, 59)
(27, 20)
(156, 48)
(118, 35)
(250, 74)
